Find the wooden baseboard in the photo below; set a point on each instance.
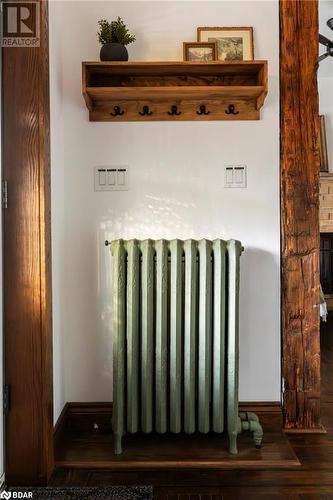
(260, 406)
(315, 430)
(89, 416)
(86, 417)
(60, 424)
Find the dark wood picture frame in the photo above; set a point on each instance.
(189, 45)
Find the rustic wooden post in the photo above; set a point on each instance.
(300, 214)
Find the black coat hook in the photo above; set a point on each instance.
(174, 111)
(117, 111)
(231, 110)
(145, 111)
(202, 110)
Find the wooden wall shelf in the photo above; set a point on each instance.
(146, 91)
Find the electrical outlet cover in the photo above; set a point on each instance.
(235, 176)
(111, 178)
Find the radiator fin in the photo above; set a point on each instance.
(147, 335)
(234, 251)
(219, 252)
(190, 335)
(176, 378)
(119, 304)
(161, 386)
(133, 332)
(205, 332)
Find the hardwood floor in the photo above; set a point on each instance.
(77, 462)
(174, 451)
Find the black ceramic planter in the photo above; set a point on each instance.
(113, 52)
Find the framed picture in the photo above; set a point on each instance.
(200, 51)
(323, 145)
(233, 44)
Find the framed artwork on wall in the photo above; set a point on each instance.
(200, 51)
(323, 145)
(233, 44)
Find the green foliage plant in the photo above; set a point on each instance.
(114, 32)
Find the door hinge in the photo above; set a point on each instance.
(4, 194)
(6, 399)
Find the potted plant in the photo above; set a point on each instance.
(113, 37)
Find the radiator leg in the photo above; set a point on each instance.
(250, 422)
(232, 437)
(117, 444)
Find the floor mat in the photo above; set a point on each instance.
(110, 493)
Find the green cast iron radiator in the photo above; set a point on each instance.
(175, 339)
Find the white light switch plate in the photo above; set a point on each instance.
(111, 178)
(235, 176)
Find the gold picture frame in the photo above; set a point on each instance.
(324, 167)
(233, 43)
(199, 51)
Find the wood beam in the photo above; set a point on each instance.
(300, 213)
(27, 261)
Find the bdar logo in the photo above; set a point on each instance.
(20, 26)
(5, 494)
(16, 494)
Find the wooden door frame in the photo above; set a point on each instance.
(27, 261)
(27, 241)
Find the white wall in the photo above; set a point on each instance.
(325, 78)
(176, 189)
